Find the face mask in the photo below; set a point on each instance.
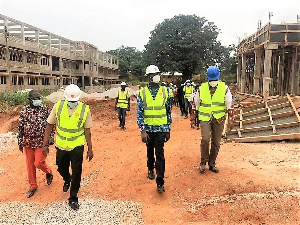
(188, 85)
(36, 102)
(72, 105)
(156, 79)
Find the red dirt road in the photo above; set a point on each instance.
(240, 194)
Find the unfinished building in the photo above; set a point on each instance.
(268, 61)
(34, 58)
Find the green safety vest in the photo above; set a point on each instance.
(70, 130)
(122, 99)
(212, 106)
(188, 91)
(155, 112)
(171, 93)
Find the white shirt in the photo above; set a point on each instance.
(228, 96)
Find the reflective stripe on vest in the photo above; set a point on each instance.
(212, 105)
(154, 109)
(70, 130)
(122, 99)
(188, 91)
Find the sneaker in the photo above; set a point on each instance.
(31, 192)
(66, 187)
(202, 168)
(160, 188)
(49, 178)
(214, 169)
(151, 174)
(74, 205)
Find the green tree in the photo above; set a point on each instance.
(185, 43)
(130, 61)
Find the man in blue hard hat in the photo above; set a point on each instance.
(213, 102)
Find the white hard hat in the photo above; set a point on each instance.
(152, 69)
(123, 84)
(72, 92)
(187, 81)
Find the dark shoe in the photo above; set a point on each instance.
(66, 187)
(202, 168)
(160, 188)
(185, 117)
(120, 124)
(31, 192)
(49, 178)
(214, 169)
(151, 174)
(122, 128)
(74, 205)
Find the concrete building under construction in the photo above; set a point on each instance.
(268, 60)
(32, 58)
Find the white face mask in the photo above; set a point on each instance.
(156, 79)
(37, 102)
(72, 105)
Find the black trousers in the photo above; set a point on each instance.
(156, 141)
(187, 107)
(121, 116)
(63, 161)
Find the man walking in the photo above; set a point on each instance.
(32, 124)
(188, 89)
(213, 100)
(122, 104)
(73, 119)
(154, 121)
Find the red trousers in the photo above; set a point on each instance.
(35, 159)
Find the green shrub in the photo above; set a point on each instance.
(15, 98)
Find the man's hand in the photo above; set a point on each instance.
(89, 154)
(51, 141)
(168, 135)
(145, 136)
(230, 119)
(128, 109)
(45, 150)
(21, 148)
(116, 108)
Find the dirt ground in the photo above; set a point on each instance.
(242, 193)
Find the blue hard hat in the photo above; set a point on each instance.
(213, 73)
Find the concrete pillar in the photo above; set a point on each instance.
(294, 72)
(22, 34)
(257, 70)
(243, 74)
(267, 70)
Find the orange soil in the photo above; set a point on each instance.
(118, 171)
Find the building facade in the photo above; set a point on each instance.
(32, 58)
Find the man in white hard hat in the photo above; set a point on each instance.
(154, 121)
(122, 104)
(73, 119)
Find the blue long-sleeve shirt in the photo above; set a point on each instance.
(140, 114)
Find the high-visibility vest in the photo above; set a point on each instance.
(122, 99)
(171, 93)
(188, 91)
(70, 130)
(155, 112)
(212, 105)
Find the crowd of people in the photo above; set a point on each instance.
(207, 106)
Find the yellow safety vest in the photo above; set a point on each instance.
(212, 106)
(70, 130)
(188, 91)
(171, 93)
(155, 112)
(122, 99)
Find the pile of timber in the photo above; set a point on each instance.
(271, 120)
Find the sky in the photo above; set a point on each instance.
(109, 24)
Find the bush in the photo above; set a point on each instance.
(14, 99)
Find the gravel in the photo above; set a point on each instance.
(91, 211)
(6, 142)
(283, 120)
(282, 110)
(258, 124)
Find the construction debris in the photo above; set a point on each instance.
(276, 118)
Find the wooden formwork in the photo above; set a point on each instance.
(274, 119)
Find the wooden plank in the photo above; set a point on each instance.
(239, 133)
(256, 119)
(253, 112)
(293, 124)
(254, 129)
(293, 106)
(295, 136)
(278, 106)
(284, 114)
(241, 118)
(269, 112)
